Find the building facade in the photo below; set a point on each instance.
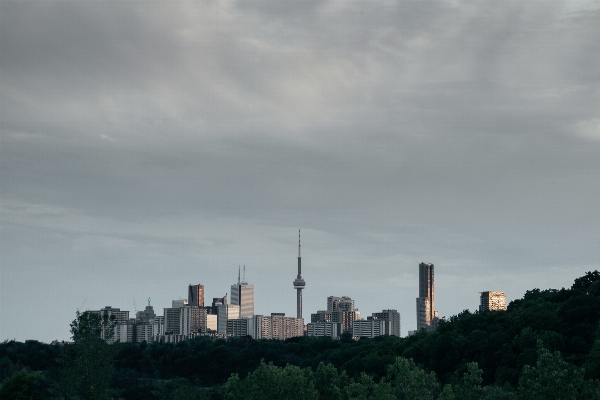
(196, 295)
(369, 328)
(242, 294)
(492, 301)
(322, 329)
(391, 319)
(426, 314)
(225, 313)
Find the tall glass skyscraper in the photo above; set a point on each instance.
(426, 314)
(242, 294)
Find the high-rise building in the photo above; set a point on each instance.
(340, 310)
(218, 301)
(226, 312)
(426, 314)
(391, 320)
(120, 323)
(322, 328)
(345, 320)
(196, 295)
(369, 328)
(343, 303)
(172, 323)
(492, 301)
(242, 294)
(321, 316)
(299, 283)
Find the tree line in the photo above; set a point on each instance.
(546, 345)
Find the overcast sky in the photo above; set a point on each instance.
(146, 146)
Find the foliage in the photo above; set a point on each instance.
(550, 378)
(23, 385)
(89, 373)
(271, 382)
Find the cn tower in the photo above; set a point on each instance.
(299, 283)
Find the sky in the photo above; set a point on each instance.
(146, 146)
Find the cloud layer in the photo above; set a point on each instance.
(149, 145)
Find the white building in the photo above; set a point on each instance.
(158, 327)
(211, 322)
(368, 328)
(321, 329)
(391, 319)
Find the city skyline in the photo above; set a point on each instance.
(148, 146)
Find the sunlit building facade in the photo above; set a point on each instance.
(426, 315)
(492, 301)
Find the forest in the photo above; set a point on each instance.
(546, 345)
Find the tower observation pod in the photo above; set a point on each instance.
(299, 283)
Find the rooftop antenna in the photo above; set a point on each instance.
(244, 273)
(134, 306)
(298, 247)
(238, 274)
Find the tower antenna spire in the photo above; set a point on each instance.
(244, 274)
(238, 274)
(299, 251)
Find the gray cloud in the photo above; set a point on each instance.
(146, 146)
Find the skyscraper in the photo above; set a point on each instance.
(242, 294)
(299, 283)
(426, 314)
(196, 295)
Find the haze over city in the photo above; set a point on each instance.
(146, 146)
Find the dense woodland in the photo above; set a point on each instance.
(545, 346)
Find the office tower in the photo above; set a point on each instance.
(426, 314)
(196, 295)
(172, 323)
(391, 319)
(492, 301)
(299, 283)
(225, 313)
(242, 294)
(218, 301)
